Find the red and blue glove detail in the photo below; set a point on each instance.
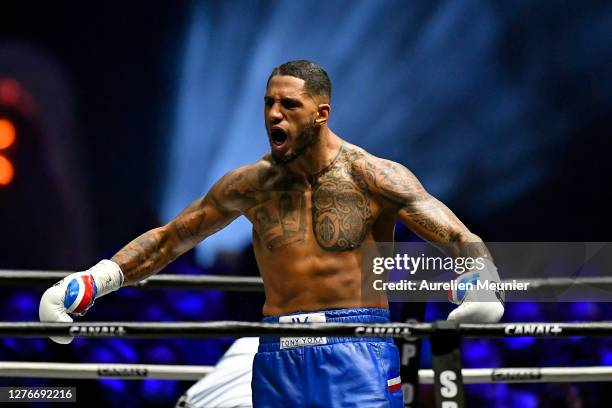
(80, 294)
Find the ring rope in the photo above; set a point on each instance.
(162, 281)
(255, 329)
(527, 375)
(19, 369)
(93, 371)
(255, 284)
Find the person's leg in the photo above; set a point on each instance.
(277, 379)
(353, 374)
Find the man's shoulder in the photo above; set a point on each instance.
(249, 172)
(354, 154)
(382, 176)
(237, 189)
(365, 160)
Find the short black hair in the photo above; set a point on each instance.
(316, 80)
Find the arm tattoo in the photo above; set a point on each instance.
(190, 225)
(153, 250)
(143, 256)
(393, 181)
(431, 216)
(237, 192)
(423, 213)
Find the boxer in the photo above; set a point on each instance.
(313, 201)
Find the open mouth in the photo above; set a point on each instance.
(278, 137)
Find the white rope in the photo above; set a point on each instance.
(93, 371)
(194, 373)
(527, 375)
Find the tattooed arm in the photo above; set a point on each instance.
(149, 253)
(153, 250)
(421, 212)
(434, 222)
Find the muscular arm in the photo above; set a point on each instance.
(418, 210)
(433, 221)
(153, 250)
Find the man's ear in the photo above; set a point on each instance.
(322, 114)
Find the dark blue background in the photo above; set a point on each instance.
(130, 111)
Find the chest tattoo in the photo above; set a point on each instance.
(340, 204)
(341, 211)
(281, 221)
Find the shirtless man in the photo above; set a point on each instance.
(314, 200)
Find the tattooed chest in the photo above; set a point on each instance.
(338, 212)
(342, 213)
(281, 220)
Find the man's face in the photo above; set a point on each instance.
(289, 113)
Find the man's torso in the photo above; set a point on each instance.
(308, 232)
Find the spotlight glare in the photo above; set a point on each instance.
(7, 133)
(6, 171)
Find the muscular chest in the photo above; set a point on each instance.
(335, 211)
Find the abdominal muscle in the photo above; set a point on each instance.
(303, 277)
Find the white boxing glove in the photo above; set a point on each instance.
(477, 312)
(76, 293)
(477, 306)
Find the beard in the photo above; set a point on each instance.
(307, 138)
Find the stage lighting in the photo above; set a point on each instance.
(7, 133)
(6, 171)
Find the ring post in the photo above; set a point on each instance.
(446, 364)
(410, 354)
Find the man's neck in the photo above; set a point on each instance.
(319, 156)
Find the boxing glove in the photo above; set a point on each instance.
(76, 293)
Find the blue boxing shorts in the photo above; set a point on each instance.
(327, 371)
